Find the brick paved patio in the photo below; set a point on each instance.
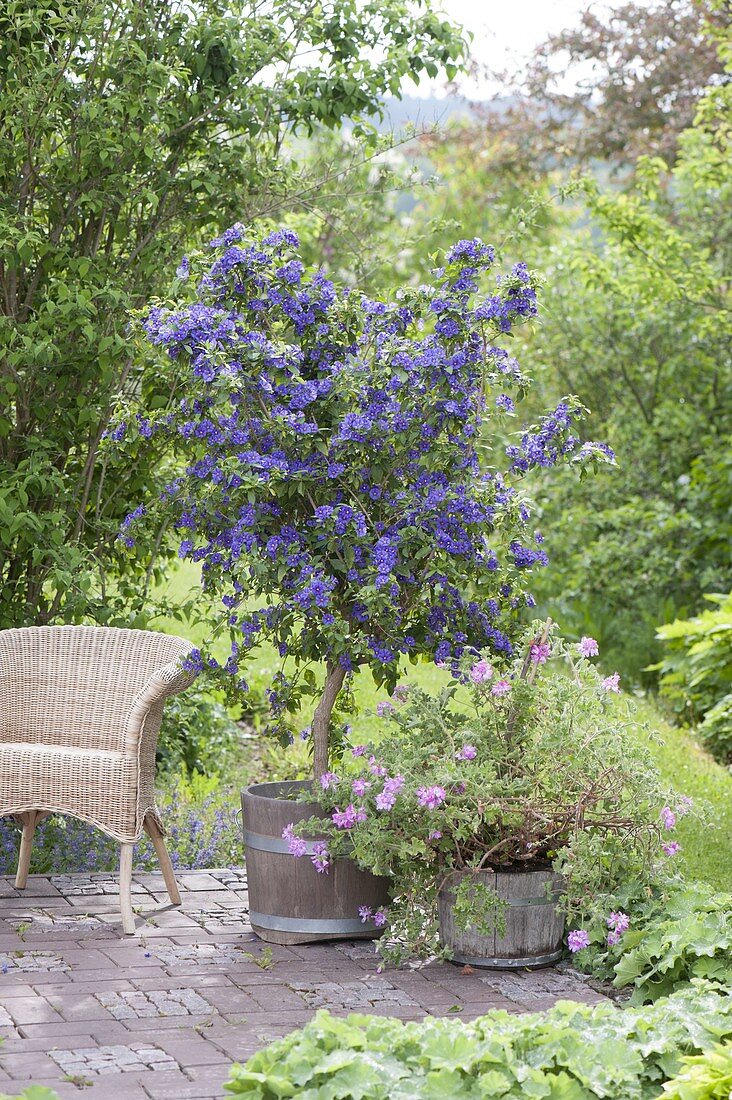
(163, 1014)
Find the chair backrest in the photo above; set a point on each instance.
(75, 685)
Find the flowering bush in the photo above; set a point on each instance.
(332, 487)
(678, 932)
(526, 765)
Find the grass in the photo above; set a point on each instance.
(706, 845)
(683, 764)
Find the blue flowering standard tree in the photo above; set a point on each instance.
(341, 476)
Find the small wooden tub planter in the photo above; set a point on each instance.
(534, 927)
(289, 901)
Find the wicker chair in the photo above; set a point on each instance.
(80, 710)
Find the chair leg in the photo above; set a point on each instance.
(125, 889)
(153, 831)
(30, 820)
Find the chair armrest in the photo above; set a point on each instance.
(165, 681)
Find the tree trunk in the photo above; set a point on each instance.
(334, 678)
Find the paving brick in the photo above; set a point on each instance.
(33, 1066)
(31, 1010)
(190, 977)
(139, 1004)
(363, 995)
(125, 1088)
(113, 1059)
(92, 885)
(164, 1014)
(67, 1032)
(79, 1006)
(191, 1049)
(172, 1086)
(33, 962)
(230, 1000)
(88, 983)
(39, 886)
(198, 881)
(164, 1025)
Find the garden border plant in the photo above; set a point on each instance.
(572, 1051)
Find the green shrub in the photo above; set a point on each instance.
(571, 1052)
(507, 764)
(706, 1076)
(197, 733)
(149, 123)
(696, 673)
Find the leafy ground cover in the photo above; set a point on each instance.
(680, 934)
(571, 1052)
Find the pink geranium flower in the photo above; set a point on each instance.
(481, 671)
(577, 940)
(619, 922)
(431, 797)
(588, 647)
(467, 752)
(296, 846)
(346, 819)
(611, 683)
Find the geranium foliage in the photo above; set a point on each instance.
(342, 487)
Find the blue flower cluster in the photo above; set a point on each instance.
(331, 446)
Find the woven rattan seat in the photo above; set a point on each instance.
(80, 710)
(53, 775)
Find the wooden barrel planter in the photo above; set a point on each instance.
(289, 901)
(534, 927)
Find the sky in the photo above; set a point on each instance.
(505, 33)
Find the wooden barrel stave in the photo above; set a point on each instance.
(290, 902)
(534, 927)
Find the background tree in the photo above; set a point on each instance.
(636, 73)
(127, 128)
(640, 313)
(638, 321)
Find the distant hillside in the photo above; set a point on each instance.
(398, 113)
